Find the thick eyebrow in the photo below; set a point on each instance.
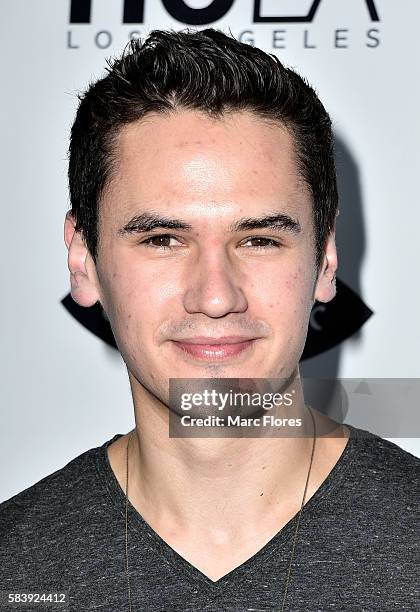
(276, 221)
(149, 221)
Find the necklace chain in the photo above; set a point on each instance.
(287, 579)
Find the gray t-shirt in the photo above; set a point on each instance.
(357, 548)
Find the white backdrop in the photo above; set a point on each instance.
(63, 391)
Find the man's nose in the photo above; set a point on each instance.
(215, 285)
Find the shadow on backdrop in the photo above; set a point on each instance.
(353, 312)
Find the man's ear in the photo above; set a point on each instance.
(325, 288)
(83, 281)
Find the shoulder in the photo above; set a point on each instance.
(43, 524)
(40, 505)
(384, 454)
(384, 472)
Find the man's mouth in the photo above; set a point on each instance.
(214, 349)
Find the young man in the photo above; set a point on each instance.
(204, 199)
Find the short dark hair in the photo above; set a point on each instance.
(204, 70)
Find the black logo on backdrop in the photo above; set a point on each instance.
(329, 325)
(133, 12)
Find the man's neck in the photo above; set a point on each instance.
(208, 484)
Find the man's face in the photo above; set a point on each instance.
(208, 281)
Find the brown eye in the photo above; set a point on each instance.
(159, 238)
(271, 243)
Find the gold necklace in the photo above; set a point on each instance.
(287, 580)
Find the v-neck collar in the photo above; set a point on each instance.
(183, 569)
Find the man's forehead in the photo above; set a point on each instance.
(186, 129)
(201, 179)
